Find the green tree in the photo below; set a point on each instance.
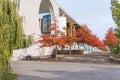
(115, 8)
(11, 35)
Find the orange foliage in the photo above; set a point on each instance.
(54, 39)
(85, 36)
(110, 39)
(70, 38)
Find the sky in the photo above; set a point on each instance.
(96, 14)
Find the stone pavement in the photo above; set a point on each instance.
(36, 70)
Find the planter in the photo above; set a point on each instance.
(81, 51)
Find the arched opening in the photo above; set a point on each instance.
(46, 14)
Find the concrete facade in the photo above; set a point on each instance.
(30, 11)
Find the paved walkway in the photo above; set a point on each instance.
(31, 70)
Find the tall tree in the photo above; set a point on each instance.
(11, 34)
(115, 8)
(111, 40)
(56, 38)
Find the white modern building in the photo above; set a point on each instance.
(34, 14)
(32, 10)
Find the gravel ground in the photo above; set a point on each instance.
(36, 70)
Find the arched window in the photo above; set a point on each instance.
(46, 21)
(46, 13)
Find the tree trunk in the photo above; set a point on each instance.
(56, 53)
(70, 50)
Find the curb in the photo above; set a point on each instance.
(114, 60)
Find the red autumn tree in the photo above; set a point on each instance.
(56, 38)
(70, 38)
(96, 42)
(85, 36)
(110, 40)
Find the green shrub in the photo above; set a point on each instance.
(116, 55)
(115, 51)
(9, 76)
